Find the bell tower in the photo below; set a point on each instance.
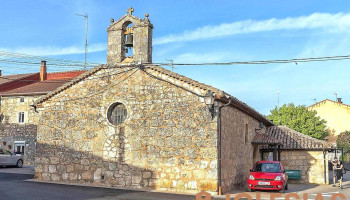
(130, 37)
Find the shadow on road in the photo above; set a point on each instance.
(15, 177)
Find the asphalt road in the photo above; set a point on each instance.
(19, 186)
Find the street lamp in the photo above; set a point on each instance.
(209, 100)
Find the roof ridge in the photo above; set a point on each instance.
(19, 74)
(67, 71)
(328, 100)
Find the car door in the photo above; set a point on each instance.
(9, 159)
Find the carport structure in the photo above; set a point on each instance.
(296, 151)
(271, 145)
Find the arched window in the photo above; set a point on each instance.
(128, 39)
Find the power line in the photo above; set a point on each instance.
(38, 63)
(101, 75)
(23, 59)
(259, 62)
(20, 55)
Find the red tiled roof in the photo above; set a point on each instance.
(15, 77)
(64, 75)
(37, 87)
(290, 139)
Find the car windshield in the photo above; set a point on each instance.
(7, 152)
(267, 167)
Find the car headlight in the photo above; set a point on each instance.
(278, 178)
(251, 177)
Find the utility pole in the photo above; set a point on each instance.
(86, 17)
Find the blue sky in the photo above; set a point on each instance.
(202, 31)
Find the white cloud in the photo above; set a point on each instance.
(55, 50)
(328, 22)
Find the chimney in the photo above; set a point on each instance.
(339, 100)
(43, 73)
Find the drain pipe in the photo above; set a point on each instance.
(219, 146)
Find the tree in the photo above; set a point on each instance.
(300, 119)
(343, 141)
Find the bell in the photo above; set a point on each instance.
(129, 40)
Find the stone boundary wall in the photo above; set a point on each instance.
(310, 163)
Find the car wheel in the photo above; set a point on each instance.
(249, 189)
(286, 186)
(19, 163)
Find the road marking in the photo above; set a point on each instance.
(325, 194)
(330, 192)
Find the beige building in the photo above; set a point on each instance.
(337, 115)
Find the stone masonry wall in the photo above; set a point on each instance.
(310, 163)
(9, 133)
(168, 141)
(11, 106)
(11, 130)
(238, 155)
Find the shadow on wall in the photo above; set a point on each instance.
(58, 163)
(11, 133)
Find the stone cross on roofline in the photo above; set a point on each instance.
(129, 11)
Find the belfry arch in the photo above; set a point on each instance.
(129, 33)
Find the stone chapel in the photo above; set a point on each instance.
(133, 124)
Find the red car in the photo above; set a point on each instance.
(267, 175)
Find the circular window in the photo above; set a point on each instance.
(117, 113)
